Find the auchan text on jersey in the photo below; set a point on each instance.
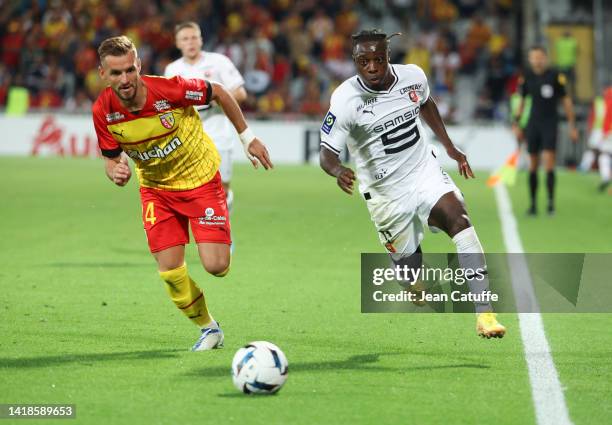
(156, 151)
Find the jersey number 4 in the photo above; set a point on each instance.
(391, 137)
(150, 213)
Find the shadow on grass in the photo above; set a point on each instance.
(362, 362)
(85, 359)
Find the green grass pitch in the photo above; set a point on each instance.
(85, 319)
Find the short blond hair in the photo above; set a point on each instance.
(188, 24)
(116, 46)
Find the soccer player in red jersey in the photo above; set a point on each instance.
(153, 121)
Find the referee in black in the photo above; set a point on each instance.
(546, 87)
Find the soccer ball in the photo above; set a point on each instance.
(259, 367)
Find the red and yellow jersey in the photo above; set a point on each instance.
(165, 139)
(607, 116)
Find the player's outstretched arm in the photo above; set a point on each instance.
(254, 149)
(431, 115)
(330, 163)
(118, 170)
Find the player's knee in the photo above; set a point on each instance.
(218, 267)
(460, 223)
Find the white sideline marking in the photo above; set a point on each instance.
(546, 391)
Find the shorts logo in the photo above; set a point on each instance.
(390, 247)
(413, 96)
(167, 120)
(210, 219)
(328, 122)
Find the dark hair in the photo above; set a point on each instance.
(372, 35)
(539, 47)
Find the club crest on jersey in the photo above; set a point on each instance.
(328, 122)
(412, 94)
(167, 120)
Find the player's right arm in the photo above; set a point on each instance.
(334, 133)
(516, 128)
(330, 163)
(118, 170)
(115, 161)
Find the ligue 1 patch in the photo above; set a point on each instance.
(328, 122)
(167, 120)
(413, 96)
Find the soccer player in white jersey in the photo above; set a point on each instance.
(214, 67)
(377, 115)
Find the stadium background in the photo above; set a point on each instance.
(84, 319)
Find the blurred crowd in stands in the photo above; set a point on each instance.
(291, 53)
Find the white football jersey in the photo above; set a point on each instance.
(381, 130)
(217, 68)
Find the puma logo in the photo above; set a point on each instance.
(119, 134)
(369, 111)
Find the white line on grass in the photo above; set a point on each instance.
(546, 391)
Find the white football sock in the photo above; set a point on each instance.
(587, 160)
(230, 200)
(604, 166)
(471, 256)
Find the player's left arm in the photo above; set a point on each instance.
(568, 105)
(253, 147)
(431, 115)
(239, 94)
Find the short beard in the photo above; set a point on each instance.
(127, 99)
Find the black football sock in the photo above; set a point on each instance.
(533, 187)
(550, 186)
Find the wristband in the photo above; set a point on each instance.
(246, 137)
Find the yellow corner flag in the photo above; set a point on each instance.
(507, 173)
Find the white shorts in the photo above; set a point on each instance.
(595, 139)
(606, 144)
(225, 168)
(401, 222)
